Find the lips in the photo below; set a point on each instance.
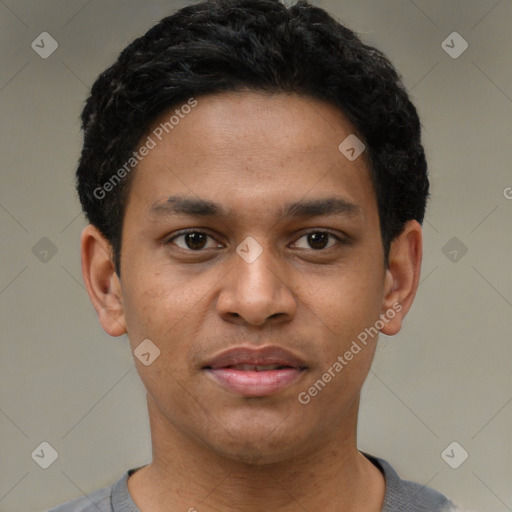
(255, 372)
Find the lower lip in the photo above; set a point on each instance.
(250, 383)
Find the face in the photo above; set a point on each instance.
(252, 258)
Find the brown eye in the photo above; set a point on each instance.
(194, 240)
(318, 240)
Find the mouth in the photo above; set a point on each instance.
(255, 372)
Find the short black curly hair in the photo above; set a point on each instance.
(229, 45)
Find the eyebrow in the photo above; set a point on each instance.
(194, 207)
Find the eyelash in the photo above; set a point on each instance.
(339, 240)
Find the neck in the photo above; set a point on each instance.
(187, 475)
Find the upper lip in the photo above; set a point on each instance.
(255, 356)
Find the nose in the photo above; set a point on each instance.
(256, 292)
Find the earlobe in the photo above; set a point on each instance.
(101, 281)
(402, 276)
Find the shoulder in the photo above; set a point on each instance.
(98, 501)
(108, 499)
(405, 495)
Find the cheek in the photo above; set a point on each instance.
(157, 307)
(163, 305)
(151, 305)
(348, 300)
(346, 344)
(345, 306)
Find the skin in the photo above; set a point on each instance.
(214, 450)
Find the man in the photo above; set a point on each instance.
(255, 184)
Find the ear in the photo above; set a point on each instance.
(402, 276)
(101, 281)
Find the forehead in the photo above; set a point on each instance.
(254, 149)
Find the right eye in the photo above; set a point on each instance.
(193, 240)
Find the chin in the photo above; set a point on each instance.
(252, 455)
(256, 444)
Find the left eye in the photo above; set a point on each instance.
(194, 240)
(318, 240)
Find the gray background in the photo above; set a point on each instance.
(446, 377)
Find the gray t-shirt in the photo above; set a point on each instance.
(400, 496)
